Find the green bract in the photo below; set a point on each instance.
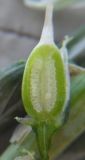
(44, 87)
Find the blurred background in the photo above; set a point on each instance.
(21, 26)
(20, 30)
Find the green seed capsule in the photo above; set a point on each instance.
(44, 87)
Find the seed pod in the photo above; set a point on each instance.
(44, 88)
(45, 80)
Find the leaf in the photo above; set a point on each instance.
(10, 101)
(76, 47)
(11, 104)
(10, 82)
(76, 123)
(74, 127)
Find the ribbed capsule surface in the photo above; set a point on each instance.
(44, 82)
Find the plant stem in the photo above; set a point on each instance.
(42, 140)
(41, 130)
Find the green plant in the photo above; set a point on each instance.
(44, 122)
(45, 87)
(26, 139)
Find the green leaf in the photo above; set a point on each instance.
(10, 102)
(9, 79)
(76, 123)
(11, 105)
(76, 47)
(74, 127)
